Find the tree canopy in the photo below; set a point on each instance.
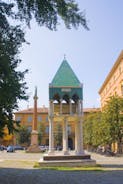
(113, 116)
(47, 13)
(105, 127)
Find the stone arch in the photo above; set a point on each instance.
(56, 97)
(66, 98)
(75, 98)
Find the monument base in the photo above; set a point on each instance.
(67, 161)
(33, 149)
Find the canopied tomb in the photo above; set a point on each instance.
(66, 106)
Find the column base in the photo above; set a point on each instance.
(51, 153)
(65, 152)
(79, 152)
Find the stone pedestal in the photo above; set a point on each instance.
(34, 148)
(67, 161)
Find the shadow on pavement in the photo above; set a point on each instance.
(37, 176)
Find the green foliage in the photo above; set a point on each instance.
(58, 134)
(41, 131)
(105, 127)
(96, 130)
(113, 115)
(23, 135)
(48, 13)
(12, 85)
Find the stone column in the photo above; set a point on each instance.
(34, 133)
(65, 137)
(81, 150)
(70, 102)
(80, 142)
(60, 106)
(33, 148)
(51, 136)
(78, 131)
(76, 137)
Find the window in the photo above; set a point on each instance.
(114, 78)
(47, 119)
(18, 118)
(39, 119)
(120, 70)
(47, 130)
(29, 128)
(29, 119)
(121, 89)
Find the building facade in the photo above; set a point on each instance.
(113, 84)
(26, 119)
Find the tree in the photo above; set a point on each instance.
(96, 130)
(23, 135)
(113, 115)
(58, 134)
(41, 132)
(12, 85)
(88, 130)
(47, 13)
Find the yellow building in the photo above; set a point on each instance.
(113, 84)
(26, 118)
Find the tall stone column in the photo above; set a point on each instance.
(34, 134)
(65, 137)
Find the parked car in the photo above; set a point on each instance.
(18, 147)
(44, 148)
(10, 149)
(2, 148)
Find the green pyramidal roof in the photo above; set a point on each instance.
(65, 77)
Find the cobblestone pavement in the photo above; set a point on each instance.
(27, 175)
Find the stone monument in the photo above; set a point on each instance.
(65, 106)
(34, 148)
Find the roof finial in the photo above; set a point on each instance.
(64, 56)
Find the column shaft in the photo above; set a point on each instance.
(65, 137)
(51, 135)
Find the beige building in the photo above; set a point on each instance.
(113, 84)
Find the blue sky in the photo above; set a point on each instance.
(91, 54)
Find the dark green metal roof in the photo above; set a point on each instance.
(65, 77)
